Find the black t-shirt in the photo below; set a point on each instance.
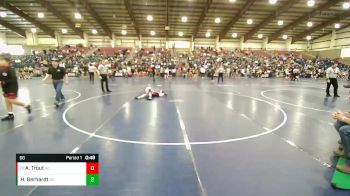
(57, 73)
(8, 80)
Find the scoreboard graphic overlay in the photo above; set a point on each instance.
(57, 170)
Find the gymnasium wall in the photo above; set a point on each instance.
(182, 43)
(342, 40)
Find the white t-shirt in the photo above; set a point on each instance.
(92, 68)
(332, 73)
(103, 69)
(221, 70)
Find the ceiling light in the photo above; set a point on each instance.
(232, 1)
(308, 38)
(94, 31)
(3, 14)
(184, 18)
(250, 21)
(346, 5)
(153, 33)
(234, 35)
(309, 24)
(77, 15)
(207, 34)
(149, 17)
(124, 32)
(260, 36)
(41, 15)
(285, 36)
(280, 22)
(272, 1)
(337, 25)
(33, 30)
(311, 3)
(217, 20)
(181, 34)
(64, 31)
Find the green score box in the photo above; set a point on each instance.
(92, 180)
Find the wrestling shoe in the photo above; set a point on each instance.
(343, 168)
(339, 153)
(8, 117)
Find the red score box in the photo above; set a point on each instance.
(92, 168)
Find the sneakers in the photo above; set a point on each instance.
(29, 109)
(336, 96)
(328, 95)
(343, 168)
(8, 117)
(339, 153)
(109, 91)
(57, 103)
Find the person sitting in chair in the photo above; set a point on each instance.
(150, 93)
(343, 127)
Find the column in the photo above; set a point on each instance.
(140, 41)
(58, 37)
(192, 43)
(113, 41)
(289, 43)
(217, 43)
(86, 40)
(241, 43)
(3, 40)
(166, 44)
(265, 43)
(333, 37)
(31, 38)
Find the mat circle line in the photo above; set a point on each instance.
(268, 131)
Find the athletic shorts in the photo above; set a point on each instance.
(10, 95)
(155, 94)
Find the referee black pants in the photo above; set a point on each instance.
(334, 83)
(221, 75)
(104, 79)
(92, 76)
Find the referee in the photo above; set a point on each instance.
(59, 77)
(221, 71)
(331, 76)
(103, 72)
(92, 70)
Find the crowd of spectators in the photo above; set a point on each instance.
(159, 61)
(258, 63)
(146, 62)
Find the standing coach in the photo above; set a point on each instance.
(59, 76)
